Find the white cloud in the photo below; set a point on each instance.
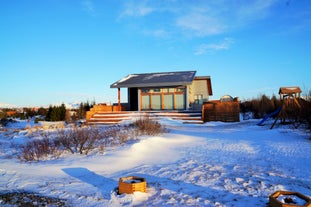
(253, 11)
(161, 33)
(136, 10)
(89, 7)
(197, 19)
(200, 24)
(223, 45)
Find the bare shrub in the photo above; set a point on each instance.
(148, 126)
(115, 135)
(79, 140)
(306, 112)
(123, 136)
(83, 140)
(291, 111)
(110, 136)
(261, 106)
(38, 150)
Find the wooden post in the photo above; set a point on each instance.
(162, 100)
(119, 102)
(174, 100)
(140, 101)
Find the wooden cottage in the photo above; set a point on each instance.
(162, 94)
(165, 91)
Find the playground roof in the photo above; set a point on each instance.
(290, 90)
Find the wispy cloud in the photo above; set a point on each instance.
(161, 33)
(253, 11)
(89, 7)
(136, 9)
(200, 19)
(211, 47)
(199, 24)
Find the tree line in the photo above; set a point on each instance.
(52, 113)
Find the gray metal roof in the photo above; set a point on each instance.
(155, 79)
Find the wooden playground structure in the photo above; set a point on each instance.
(290, 110)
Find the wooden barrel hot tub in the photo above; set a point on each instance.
(132, 184)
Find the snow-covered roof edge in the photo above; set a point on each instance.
(155, 79)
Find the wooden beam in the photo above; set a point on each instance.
(119, 99)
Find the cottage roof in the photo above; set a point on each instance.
(155, 79)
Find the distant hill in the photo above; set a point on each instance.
(6, 105)
(72, 105)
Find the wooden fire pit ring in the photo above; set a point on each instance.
(132, 184)
(275, 202)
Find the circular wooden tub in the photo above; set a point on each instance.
(132, 184)
(288, 199)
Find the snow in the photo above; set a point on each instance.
(292, 199)
(211, 164)
(157, 75)
(125, 79)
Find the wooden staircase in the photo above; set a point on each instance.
(186, 117)
(116, 117)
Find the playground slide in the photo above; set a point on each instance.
(270, 115)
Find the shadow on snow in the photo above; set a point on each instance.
(105, 185)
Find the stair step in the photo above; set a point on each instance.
(108, 117)
(104, 122)
(193, 122)
(179, 114)
(186, 117)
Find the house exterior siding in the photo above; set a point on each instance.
(198, 93)
(165, 91)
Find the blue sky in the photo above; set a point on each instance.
(56, 51)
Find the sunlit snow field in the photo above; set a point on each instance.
(213, 164)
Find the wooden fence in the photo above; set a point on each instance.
(221, 111)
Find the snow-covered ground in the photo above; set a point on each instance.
(214, 164)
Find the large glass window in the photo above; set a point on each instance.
(163, 98)
(145, 102)
(156, 102)
(180, 101)
(198, 99)
(169, 101)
